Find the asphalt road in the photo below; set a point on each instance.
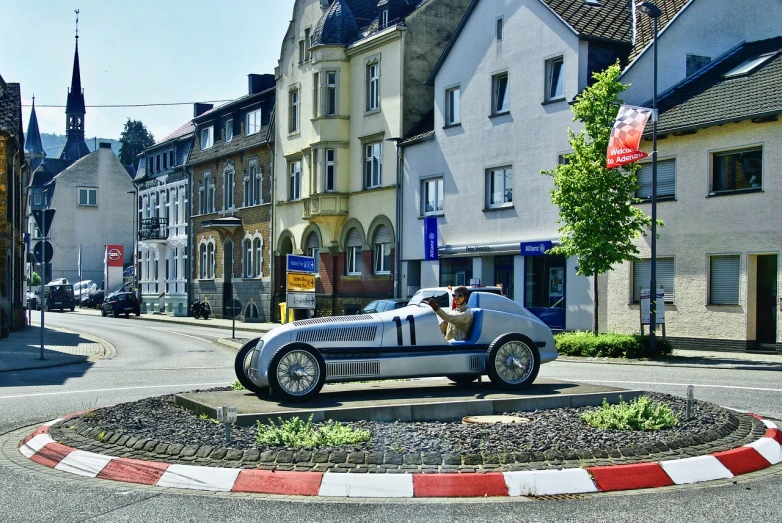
(155, 359)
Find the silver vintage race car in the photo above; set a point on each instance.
(294, 360)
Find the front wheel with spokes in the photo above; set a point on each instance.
(297, 372)
(512, 362)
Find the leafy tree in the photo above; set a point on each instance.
(34, 279)
(596, 213)
(134, 139)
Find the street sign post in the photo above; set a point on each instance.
(232, 309)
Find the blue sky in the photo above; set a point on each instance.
(138, 52)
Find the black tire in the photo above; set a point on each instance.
(240, 368)
(196, 315)
(137, 313)
(103, 312)
(462, 379)
(512, 377)
(114, 313)
(73, 308)
(309, 357)
(206, 315)
(127, 315)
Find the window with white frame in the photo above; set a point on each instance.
(206, 256)
(175, 208)
(329, 172)
(294, 181)
(252, 184)
(432, 196)
(453, 106)
(307, 45)
(353, 252)
(210, 260)
(666, 179)
(301, 51)
(257, 257)
(229, 130)
(247, 190)
(331, 94)
(373, 86)
(724, 279)
(316, 87)
(207, 138)
(88, 197)
(642, 276)
(555, 84)
(206, 194)
(381, 250)
(499, 186)
(253, 122)
(373, 163)
(313, 250)
(293, 111)
(498, 27)
(499, 94)
(228, 187)
(736, 171)
(247, 262)
(384, 18)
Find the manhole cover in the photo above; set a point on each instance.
(495, 419)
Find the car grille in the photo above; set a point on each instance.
(332, 319)
(353, 369)
(475, 363)
(338, 334)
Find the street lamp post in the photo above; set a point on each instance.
(653, 12)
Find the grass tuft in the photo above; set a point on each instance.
(302, 434)
(640, 414)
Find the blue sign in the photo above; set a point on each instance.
(535, 248)
(430, 238)
(301, 263)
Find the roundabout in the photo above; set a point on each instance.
(159, 443)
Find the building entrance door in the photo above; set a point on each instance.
(503, 274)
(766, 305)
(544, 289)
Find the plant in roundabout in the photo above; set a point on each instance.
(640, 414)
(300, 434)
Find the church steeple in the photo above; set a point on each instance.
(75, 110)
(32, 142)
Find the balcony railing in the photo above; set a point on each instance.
(153, 229)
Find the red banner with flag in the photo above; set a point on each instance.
(626, 136)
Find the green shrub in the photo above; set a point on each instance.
(300, 434)
(582, 343)
(237, 385)
(640, 414)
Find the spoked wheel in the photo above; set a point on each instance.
(512, 362)
(462, 379)
(242, 367)
(297, 372)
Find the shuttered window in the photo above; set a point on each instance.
(382, 250)
(666, 179)
(724, 274)
(353, 252)
(642, 274)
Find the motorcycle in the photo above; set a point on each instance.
(200, 308)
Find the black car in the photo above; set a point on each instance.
(121, 303)
(384, 305)
(59, 296)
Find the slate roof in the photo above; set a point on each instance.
(75, 102)
(707, 98)
(11, 111)
(32, 143)
(644, 26)
(41, 176)
(187, 129)
(611, 20)
(336, 26)
(422, 130)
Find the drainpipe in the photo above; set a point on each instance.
(272, 274)
(397, 213)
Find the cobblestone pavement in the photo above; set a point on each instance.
(21, 350)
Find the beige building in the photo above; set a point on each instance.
(350, 83)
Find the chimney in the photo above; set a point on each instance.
(104, 145)
(257, 83)
(200, 108)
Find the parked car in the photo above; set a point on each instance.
(294, 360)
(384, 305)
(444, 295)
(99, 296)
(121, 303)
(59, 296)
(32, 300)
(83, 292)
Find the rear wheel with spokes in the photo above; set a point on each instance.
(512, 362)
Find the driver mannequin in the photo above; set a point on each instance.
(455, 323)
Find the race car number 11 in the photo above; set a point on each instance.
(398, 322)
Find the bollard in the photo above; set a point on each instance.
(226, 415)
(690, 396)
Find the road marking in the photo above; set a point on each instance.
(110, 390)
(679, 384)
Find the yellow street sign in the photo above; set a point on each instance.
(298, 282)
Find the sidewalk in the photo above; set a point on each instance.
(696, 358)
(21, 350)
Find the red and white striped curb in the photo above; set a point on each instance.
(760, 454)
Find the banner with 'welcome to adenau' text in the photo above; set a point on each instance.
(626, 136)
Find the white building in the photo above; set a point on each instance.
(93, 209)
(501, 114)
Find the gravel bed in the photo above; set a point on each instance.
(557, 429)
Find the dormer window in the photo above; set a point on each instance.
(253, 122)
(229, 130)
(207, 137)
(384, 18)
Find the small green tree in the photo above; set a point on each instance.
(596, 213)
(134, 139)
(34, 279)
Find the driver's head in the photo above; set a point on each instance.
(460, 295)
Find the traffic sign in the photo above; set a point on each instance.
(46, 253)
(43, 219)
(232, 309)
(297, 263)
(300, 300)
(301, 282)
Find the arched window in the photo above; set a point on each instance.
(247, 257)
(257, 257)
(210, 260)
(353, 252)
(228, 187)
(381, 250)
(203, 260)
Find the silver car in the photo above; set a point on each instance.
(293, 361)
